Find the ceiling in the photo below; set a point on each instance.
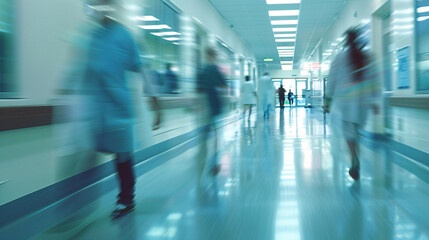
(250, 19)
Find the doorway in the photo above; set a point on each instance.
(296, 85)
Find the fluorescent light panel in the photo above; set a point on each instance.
(286, 47)
(284, 29)
(423, 9)
(153, 27)
(285, 40)
(284, 22)
(166, 33)
(286, 62)
(147, 18)
(278, 13)
(285, 35)
(172, 39)
(283, 1)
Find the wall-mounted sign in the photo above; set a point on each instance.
(404, 67)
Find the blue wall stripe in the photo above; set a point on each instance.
(42, 219)
(37, 200)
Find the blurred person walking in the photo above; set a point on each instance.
(290, 97)
(113, 52)
(248, 97)
(281, 91)
(170, 80)
(209, 80)
(351, 90)
(266, 94)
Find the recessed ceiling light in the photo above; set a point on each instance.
(283, 1)
(286, 62)
(286, 47)
(172, 39)
(285, 35)
(277, 13)
(147, 18)
(285, 40)
(166, 33)
(284, 22)
(153, 27)
(284, 29)
(423, 9)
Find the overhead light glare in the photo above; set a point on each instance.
(268, 59)
(423, 9)
(286, 62)
(420, 19)
(285, 40)
(285, 35)
(172, 39)
(153, 27)
(284, 22)
(166, 33)
(283, 1)
(147, 18)
(286, 47)
(284, 29)
(278, 13)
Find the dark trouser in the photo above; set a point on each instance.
(282, 102)
(124, 167)
(290, 101)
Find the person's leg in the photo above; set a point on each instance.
(352, 136)
(124, 168)
(250, 111)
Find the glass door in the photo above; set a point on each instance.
(301, 86)
(277, 83)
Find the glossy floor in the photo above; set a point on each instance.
(283, 178)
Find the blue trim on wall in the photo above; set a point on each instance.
(38, 200)
(42, 209)
(406, 150)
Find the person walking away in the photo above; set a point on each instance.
(266, 94)
(352, 89)
(209, 80)
(290, 97)
(171, 80)
(248, 97)
(281, 92)
(113, 52)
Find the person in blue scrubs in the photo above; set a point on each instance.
(112, 53)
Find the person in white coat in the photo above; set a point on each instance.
(352, 88)
(266, 94)
(248, 96)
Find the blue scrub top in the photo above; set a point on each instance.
(112, 53)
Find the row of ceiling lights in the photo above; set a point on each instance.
(285, 30)
(165, 30)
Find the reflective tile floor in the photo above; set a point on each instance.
(282, 178)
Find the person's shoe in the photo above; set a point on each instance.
(122, 209)
(354, 173)
(215, 170)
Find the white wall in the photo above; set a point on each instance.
(41, 30)
(207, 14)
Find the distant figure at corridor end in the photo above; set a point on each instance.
(281, 92)
(352, 88)
(266, 95)
(248, 97)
